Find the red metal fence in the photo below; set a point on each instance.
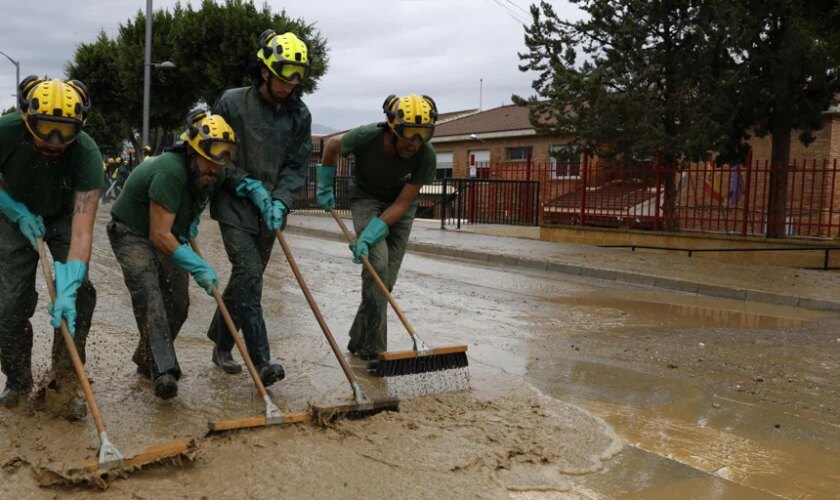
(705, 197)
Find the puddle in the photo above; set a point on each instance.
(690, 311)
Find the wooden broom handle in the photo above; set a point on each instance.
(291, 259)
(71, 346)
(375, 275)
(243, 351)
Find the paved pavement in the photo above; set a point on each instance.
(810, 289)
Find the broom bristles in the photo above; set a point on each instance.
(324, 415)
(419, 364)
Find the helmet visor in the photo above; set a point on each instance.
(219, 151)
(415, 133)
(291, 72)
(53, 130)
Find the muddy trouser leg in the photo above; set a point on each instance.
(248, 254)
(174, 283)
(369, 332)
(18, 298)
(57, 238)
(144, 273)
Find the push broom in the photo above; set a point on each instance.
(110, 460)
(363, 406)
(423, 358)
(273, 415)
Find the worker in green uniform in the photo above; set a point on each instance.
(158, 210)
(393, 161)
(50, 178)
(274, 130)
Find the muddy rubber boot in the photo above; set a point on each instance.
(271, 373)
(10, 398)
(166, 387)
(76, 409)
(365, 357)
(224, 360)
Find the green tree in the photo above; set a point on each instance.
(212, 47)
(8, 111)
(96, 65)
(620, 82)
(784, 58)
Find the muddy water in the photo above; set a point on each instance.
(514, 434)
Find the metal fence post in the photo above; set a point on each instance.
(583, 174)
(458, 202)
(747, 183)
(443, 205)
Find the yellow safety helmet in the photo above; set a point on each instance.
(411, 117)
(211, 136)
(286, 55)
(54, 111)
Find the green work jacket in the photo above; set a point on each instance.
(275, 147)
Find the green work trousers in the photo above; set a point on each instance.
(369, 332)
(18, 298)
(159, 295)
(248, 254)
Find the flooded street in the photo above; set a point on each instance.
(579, 389)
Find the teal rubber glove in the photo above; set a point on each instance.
(68, 279)
(325, 195)
(192, 230)
(201, 271)
(374, 232)
(277, 218)
(32, 226)
(259, 196)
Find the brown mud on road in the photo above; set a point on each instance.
(503, 436)
(579, 389)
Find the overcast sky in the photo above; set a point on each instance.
(377, 47)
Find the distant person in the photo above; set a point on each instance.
(274, 130)
(159, 208)
(51, 177)
(393, 161)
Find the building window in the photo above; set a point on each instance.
(564, 161)
(444, 165)
(518, 154)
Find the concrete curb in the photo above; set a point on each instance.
(630, 278)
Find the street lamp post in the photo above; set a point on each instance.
(147, 73)
(147, 87)
(17, 75)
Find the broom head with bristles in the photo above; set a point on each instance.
(323, 415)
(393, 364)
(89, 471)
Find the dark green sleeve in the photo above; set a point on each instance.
(296, 167)
(166, 190)
(233, 174)
(87, 163)
(425, 174)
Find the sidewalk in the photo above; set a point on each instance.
(818, 290)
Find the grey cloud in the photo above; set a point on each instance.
(378, 47)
